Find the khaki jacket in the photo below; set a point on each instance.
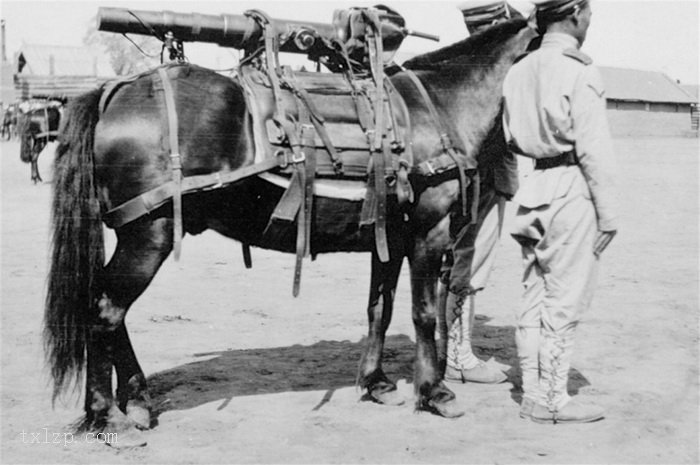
(554, 102)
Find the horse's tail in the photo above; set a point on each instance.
(77, 248)
(26, 138)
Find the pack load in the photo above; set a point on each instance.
(348, 123)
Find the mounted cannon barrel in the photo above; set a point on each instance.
(236, 31)
(240, 31)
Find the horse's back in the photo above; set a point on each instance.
(132, 137)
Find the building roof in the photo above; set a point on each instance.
(60, 87)
(637, 85)
(54, 60)
(693, 90)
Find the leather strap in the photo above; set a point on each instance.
(565, 159)
(404, 190)
(377, 140)
(47, 122)
(247, 260)
(305, 104)
(176, 164)
(308, 168)
(110, 88)
(445, 140)
(306, 172)
(157, 197)
(46, 134)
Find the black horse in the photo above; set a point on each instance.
(36, 128)
(105, 159)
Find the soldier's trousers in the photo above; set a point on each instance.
(466, 272)
(473, 253)
(559, 277)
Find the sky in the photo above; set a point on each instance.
(657, 35)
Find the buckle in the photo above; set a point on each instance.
(299, 158)
(175, 160)
(445, 141)
(283, 154)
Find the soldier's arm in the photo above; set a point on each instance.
(594, 146)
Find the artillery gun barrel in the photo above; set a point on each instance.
(237, 31)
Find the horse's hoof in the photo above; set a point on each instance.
(449, 409)
(124, 438)
(120, 431)
(138, 414)
(386, 395)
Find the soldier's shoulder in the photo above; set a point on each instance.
(520, 57)
(578, 55)
(533, 46)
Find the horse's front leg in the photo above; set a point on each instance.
(432, 394)
(384, 277)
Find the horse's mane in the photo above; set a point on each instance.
(475, 49)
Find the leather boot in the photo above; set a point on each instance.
(527, 340)
(555, 361)
(558, 407)
(462, 364)
(573, 411)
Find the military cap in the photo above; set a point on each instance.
(555, 10)
(479, 13)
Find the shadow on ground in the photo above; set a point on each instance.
(324, 366)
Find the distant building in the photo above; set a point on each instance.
(50, 71)
(694, 91)
(646, 103)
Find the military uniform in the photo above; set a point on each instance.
(467, 266)
(555, 113)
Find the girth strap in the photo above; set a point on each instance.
(174, 150)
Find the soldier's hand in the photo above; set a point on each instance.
(602, 240)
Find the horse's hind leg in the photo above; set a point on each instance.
(132, 392)
(141, 248)
(432, 394)
(384, 277)
(37, 147)
(36, 178)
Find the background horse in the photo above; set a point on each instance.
(106, 159)
(37, 127)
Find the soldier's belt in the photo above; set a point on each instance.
(565, 159)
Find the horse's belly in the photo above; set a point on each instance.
(243, 212)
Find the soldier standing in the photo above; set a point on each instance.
(467, 266)
(555, 114)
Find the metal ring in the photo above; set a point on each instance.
(283, 154)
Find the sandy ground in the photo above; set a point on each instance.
(242, 372)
